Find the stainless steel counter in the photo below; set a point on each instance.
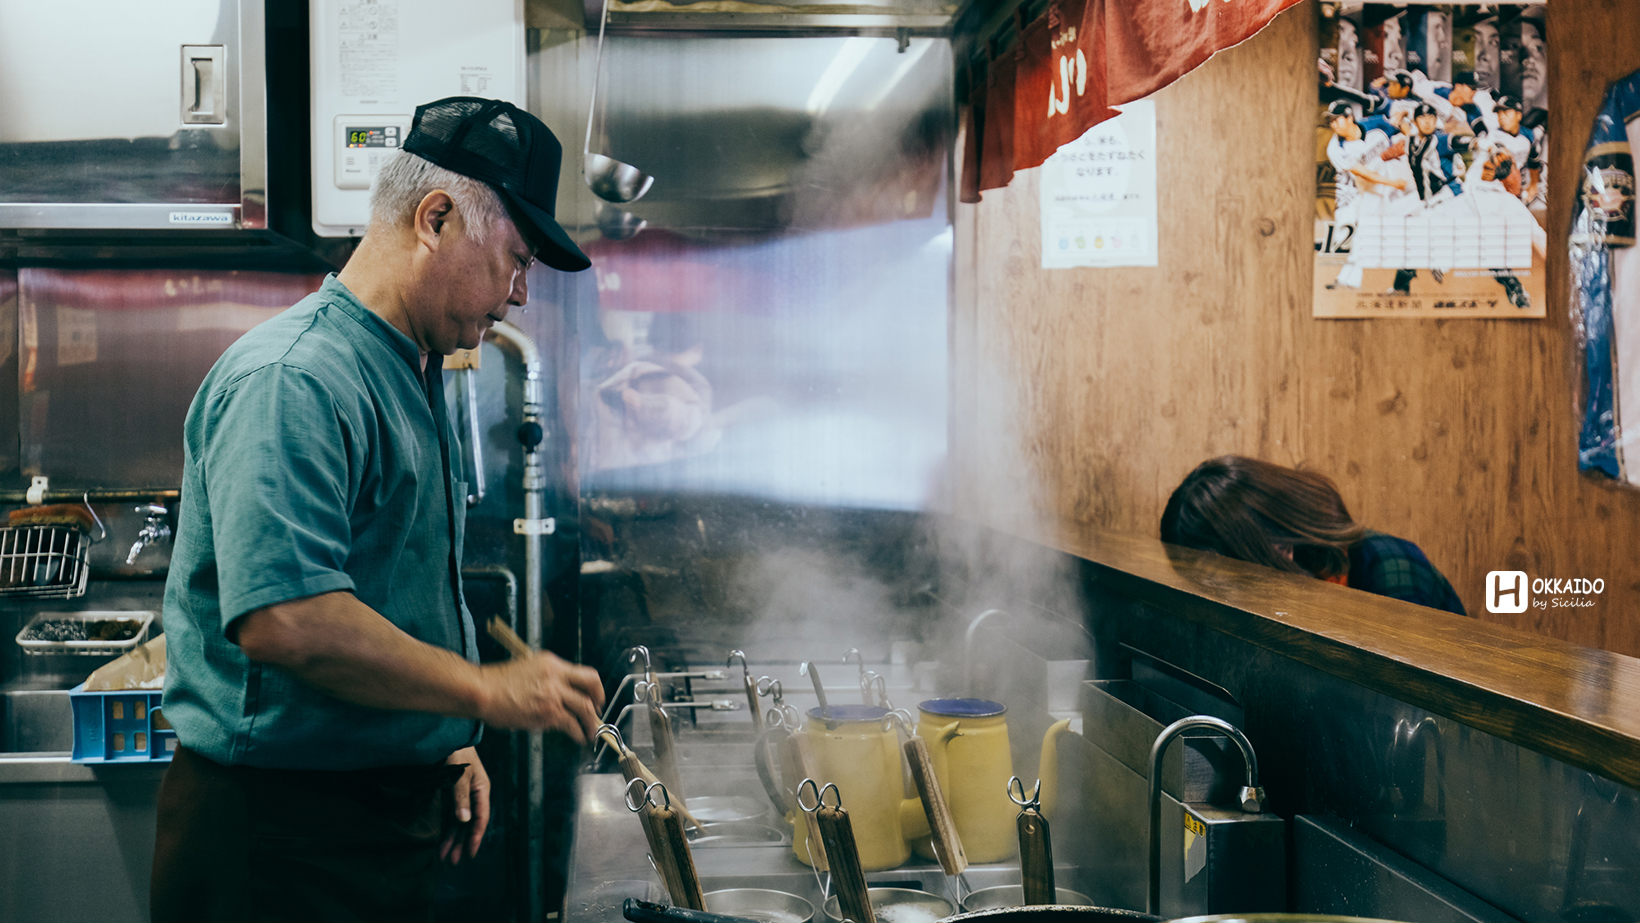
(76, 841)
(608, 860)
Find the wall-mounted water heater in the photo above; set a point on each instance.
(373, 62)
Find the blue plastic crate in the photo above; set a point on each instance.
(127, 726)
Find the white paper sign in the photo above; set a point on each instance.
(76, 336)
(1099, 194)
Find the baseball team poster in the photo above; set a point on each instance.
(1431, 160)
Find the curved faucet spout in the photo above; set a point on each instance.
(1251, 795)
(968, 647)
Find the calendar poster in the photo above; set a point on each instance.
(1431, 148)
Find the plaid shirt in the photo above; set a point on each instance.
(1395, 567)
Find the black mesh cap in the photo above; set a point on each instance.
(496, 142)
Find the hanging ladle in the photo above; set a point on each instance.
(608, 178)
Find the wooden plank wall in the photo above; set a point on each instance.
(1081, 397)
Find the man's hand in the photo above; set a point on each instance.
(470, 807)
(345, 649)
(543, 692)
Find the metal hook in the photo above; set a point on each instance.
(597, 754)
(745, 671)
(632, 654)
(806, 785)
(86, 499)
(880, 683)
(643, 788)
(666, 796)
(1032, 803)
(610, 730)
(896, 718)
(767, 685)
(867, 677)
(859, 659)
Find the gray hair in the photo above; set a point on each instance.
(407, 179)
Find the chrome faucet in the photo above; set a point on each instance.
(968, 675)
(154, 529)
(1251, 795)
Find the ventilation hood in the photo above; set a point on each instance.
(749, 134)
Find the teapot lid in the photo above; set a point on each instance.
(850, 713)
(963, 708)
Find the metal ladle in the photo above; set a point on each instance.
(608, 178)
(616, 223)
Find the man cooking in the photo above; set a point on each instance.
(323, 677)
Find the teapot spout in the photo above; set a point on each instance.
(1048, 768)
(914, 819)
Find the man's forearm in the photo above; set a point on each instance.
(342, 647)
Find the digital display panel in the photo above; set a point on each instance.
(375, 136)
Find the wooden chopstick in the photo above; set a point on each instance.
(509, 639)
(630, 764)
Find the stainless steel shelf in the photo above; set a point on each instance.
(783, 24)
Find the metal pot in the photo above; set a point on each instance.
(1054, 913)
(760, 904)
(899, 905)
(1278, 918)
(737, 834)
(1014, 896)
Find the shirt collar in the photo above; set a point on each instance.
(338, 294)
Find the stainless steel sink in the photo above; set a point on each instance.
(36, 721)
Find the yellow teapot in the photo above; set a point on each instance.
(857, 748)
(968, 745)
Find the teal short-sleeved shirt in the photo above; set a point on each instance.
(318, 457)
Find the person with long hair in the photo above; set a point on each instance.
(1295, 521)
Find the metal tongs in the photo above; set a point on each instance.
(943, 827)
(837, 833)
(633, 768)
(1035, 846)
(643, 682)
(668, 847)
(648, 675)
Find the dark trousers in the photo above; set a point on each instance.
(237, 843)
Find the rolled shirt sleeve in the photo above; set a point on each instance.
(276, 458)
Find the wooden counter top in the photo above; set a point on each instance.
(1576, 704)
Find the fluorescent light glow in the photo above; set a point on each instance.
(838, 72)
(908, 61)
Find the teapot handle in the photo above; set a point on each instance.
(764, 752)
(1048, 769)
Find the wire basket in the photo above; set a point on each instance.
(43, 562)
